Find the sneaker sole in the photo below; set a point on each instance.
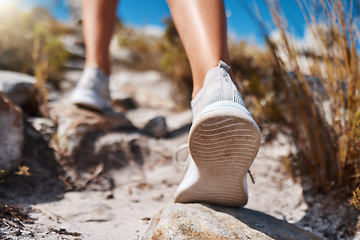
(223, 143)
(87, 100)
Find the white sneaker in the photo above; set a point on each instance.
(92, 90)
(223, 142)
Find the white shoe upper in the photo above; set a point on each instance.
(218, 86)
(92, 90)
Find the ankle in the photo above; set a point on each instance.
(195, 92)
(103, 67)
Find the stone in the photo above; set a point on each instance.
(74, 123)
(45, 126)
(11, 136)
(124, 105)
(18, 87)
(156, 127)
(197, 221)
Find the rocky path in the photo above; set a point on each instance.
(115, 176)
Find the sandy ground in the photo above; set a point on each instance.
(125, 211)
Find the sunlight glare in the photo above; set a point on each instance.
(7, 4)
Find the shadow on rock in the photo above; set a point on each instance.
(98, 155)
(37, 180)
(330, 215)
(93, 147)
(179, 131)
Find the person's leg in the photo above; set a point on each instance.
(201, 25)
(98, 24)
(224, 138)
(92, 89)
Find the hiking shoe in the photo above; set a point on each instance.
(92, 90)
(223, 142)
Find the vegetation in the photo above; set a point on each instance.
(252, 68)
(28, 38)
(175, 65)
(320, 87)
(164, 53)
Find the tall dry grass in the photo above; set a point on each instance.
(320, 87)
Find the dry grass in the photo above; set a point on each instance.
(321, 89)
(30, 43)
(23, 34)
(252, 68)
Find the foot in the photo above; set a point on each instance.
(92, 90)
(223, 142)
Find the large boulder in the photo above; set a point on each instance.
(11, 136)
(196, 221)
(18, 87)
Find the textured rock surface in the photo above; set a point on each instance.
(38, 181)
(156, 127)
(18, 87)
(74, 123)
(196, 221)
(11, 136)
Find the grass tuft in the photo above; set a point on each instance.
(318, 91)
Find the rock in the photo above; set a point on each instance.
(11, 136)
(18, 87)
(40, 183)
(74, 123)
(196, 221)
(156, 127)
(45, 126)
(93, 147)
(124, 105)
(84, 151)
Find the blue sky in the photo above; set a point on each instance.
(152, 12)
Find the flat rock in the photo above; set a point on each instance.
(74, 123)
(90, 144)
(196, 221)
(18, 87)
(11, 136)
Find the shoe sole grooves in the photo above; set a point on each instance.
(227, 137)
(222, 165)
(223, 143)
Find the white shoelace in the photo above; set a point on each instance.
(180, 149)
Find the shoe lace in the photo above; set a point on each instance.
(186, 146)
(180, 149)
